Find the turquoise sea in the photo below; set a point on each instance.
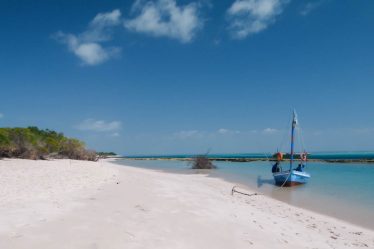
(346, 155)
(341, 190)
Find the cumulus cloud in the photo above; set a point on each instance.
(99, 126)
(90, 53)
(249, 17)
(87, 45)
(164, 18)
(103, 20)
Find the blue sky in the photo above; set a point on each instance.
(166, 76)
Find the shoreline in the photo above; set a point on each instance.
(140, 208)
(287, 195)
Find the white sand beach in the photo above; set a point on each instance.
(77, 204)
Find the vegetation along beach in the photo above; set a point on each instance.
(186, 124)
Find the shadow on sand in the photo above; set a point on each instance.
(261, 182)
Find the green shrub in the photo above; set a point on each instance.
(33, 143)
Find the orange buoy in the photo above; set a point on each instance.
(279, 156)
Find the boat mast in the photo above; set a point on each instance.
(292, 138)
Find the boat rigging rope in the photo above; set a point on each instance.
(283, 140)
(285, 180)
(285, 134)
(268, 159)
(265, 154)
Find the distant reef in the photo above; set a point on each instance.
(106, 154)
(251, 159)
(35, 143)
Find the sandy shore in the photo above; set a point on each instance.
(74, 204)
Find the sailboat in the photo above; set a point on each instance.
(292, 176)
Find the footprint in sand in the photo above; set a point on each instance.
(250, 242)
(139, 207)
(313, 226)
(130, 235)
(360, 244)
(356, 233)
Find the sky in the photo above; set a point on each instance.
(145, 77)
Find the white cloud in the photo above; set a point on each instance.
(193, 134)
(309, 7)
(99, 126)
(87, 45)
(227, 131)
(91, 53)
(1, 115)
(115, 134)
(100, 28)
(269, 130)
(249, 17)
(188, 134)
(107, 19)
(223, 131)
(166, 18)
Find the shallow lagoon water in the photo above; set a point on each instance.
(341, 190)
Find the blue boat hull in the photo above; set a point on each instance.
(295, 178)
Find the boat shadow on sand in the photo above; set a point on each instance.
(261, 182)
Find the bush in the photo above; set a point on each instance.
(33, 143)
(202, 162)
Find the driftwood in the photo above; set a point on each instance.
(202, 162)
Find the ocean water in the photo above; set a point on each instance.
(341, 190)
(346, 155)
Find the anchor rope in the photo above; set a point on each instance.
(233, 190)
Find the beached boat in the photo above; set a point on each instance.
(292, 176)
